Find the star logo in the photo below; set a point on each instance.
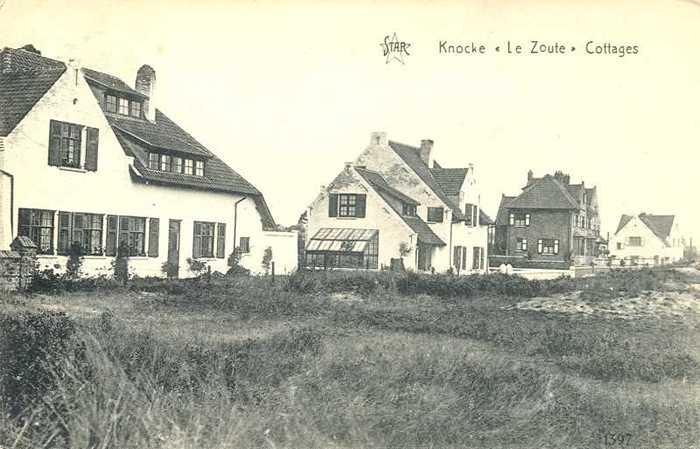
(395, 49)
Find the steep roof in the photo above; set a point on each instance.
(379, 183)
(545, 193)
(660, 225)
(411, 157)
(138, 137)
(502, 216)
(449, 179)
(24, 78)
(624, 219)
(417, 225)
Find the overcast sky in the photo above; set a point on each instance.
(285, 93)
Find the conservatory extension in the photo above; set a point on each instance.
(343, 248)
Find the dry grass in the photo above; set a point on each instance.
(232, 368)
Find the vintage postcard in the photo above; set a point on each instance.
(334, 224)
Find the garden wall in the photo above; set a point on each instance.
(17, 265)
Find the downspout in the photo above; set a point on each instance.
(235, 220)
(450, 250)
(12, 199)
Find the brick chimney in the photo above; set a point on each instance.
(530, 175)
(426, 147)
(562, 177)
(146, 84)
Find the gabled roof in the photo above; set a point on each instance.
(449, 179)
(660, 225)
(624, 219)
(111, 82)
(417, 225)
(24, 78)
(379, 183)
(411, 157)
(502, 216)
(544, 193)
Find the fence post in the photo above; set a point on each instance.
(273, 272)
(208, 274)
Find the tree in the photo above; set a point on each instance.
(267, 259)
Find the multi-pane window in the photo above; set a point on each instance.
(478, 258)
(471, 215)
(189, 167)
(65, 140)
(244, 245)
(132, 234)
(459, 258)
(634, 241)
(347, 205)
(177, 164)
(153, 161)
(521, 244)
(82, 229)
(135, 109)
(435, 214)
(199, 168)
(409, 210)
(548, 246)
(519, 219)
(165, 162)
(111, 103)
(123, 106)
(38, 224)
(203, 241)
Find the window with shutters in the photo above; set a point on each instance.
(521, 244)
(64, 145)
(153, 237)
(131, 234)
(519, 219)
(82, 229)
(203, 240)
(351, 205)
(435, 214)
(244, 245)
(221, 240)
(38, 224)
(548, 247)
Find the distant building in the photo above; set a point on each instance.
(552, 223)
(88, 159)
(396, 206)
(647, 239)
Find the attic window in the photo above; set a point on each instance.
(409, 210)
(175, 164)
(111, 103)
(123, 106)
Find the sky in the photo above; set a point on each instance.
(286, 92)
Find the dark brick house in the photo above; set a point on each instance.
(552, 223)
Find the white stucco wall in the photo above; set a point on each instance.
(651, 245)
(110, 190)
(392, 229)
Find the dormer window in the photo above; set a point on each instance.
(175, 164)
(135, 109)
(409, 210)
(111, 103)
(123, 106)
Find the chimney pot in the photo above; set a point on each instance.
(426, 147)
(146, 84)
(378, 138)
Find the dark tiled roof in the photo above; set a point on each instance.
(660, 225)
(449, 179)
(484, 219)
(111, 82)
(502, 216)
(24, 78)
(379, 183)
(545, 193)
(411, 157)
(163, 134)
(420, 227)
(623, 222)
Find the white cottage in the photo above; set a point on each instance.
(86, 158)
(647, 239)
(394, 204)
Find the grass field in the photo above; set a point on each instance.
(241, 363)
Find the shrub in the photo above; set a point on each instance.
(120, 264)
(75, 261)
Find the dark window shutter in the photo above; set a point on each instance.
(153, 237)
(91, 149)
(55, 143)
(361, 206)
(456, 258)
(221, 240)
(464, 257)
(111, 242)
(333, 205)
